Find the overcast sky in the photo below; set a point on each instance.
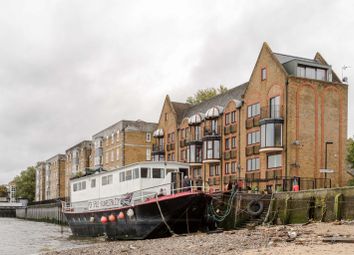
(68, 69)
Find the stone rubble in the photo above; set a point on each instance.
(227, 242)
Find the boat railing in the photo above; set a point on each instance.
(128, 199)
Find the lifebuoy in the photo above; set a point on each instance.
(252, 207)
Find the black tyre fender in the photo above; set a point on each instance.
(251, 210)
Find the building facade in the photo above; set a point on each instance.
(55, 177)
(289, 120)
(40, 181)
(77, 160)
(11, 190)
(121, 144)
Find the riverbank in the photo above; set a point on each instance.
(290, 239)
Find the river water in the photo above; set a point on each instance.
(22, 237)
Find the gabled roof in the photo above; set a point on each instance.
(180, 109)
(284, 58)
(219, 100)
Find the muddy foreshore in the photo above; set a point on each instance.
(290, 239)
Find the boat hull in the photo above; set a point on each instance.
(180, 213)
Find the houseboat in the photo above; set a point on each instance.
(139, 201)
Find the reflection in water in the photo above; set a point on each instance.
(22, 237)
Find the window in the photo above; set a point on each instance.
(122, 176)
(117, 154)
(233, 142)
(227, 118)
(128, 175)
(217, 169)
(108, 179)
(253, 110)
(79, 186)
(148, 154)
(253, 137)
(227, 168)
(157, 173)
(214, 127)
(274, 160)
(312, 72)
(212, 149)
(136, 173)
(233, 117)
(112, 138)
(144, 172)
(148, 137)
(227, 144)
(93, 183)
(198, 133)
(253, 164)
(264, 74)
(112, 155)
(118, 133)
(166, 116)
(274, 105)
(197, 172)
(233, 167)
(211, 170)
(107, 155)
(173, 137)
(271, 135)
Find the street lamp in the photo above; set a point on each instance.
(326, 144)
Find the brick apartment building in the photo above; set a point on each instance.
(54, 178)
(77, 160)
(40, 181)
(289, 119)
(121, 144)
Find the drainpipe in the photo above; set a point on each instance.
(123, 147)
(286, 128)
(239, 142)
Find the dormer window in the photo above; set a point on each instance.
(264, 74)
(312, 72)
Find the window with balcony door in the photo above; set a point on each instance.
(227, 168)
(227, 144)
(214, 126)
(233, 142)
(211, 149)
(198, 133)
(274, 107)
(233, 117)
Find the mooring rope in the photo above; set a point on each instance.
(163, 218)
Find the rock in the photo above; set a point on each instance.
(292, 234)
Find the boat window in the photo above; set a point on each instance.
(79, 186)
(136, 173)
(93, 183)
(128, 175)
(158, 173)
(144, 172)
(107, 180)
(122, 176)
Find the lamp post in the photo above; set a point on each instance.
(326, 144)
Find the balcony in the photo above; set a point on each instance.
(227, 155)
(272, 112)
(253, 175)
(158, 149)
(253, 122)
(273, 174)
(212, 132)
(252, 150)
(233, 128)
(183, 143)
(233, 154)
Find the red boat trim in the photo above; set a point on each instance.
(149, 201)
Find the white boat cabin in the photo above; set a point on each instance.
(127, 185)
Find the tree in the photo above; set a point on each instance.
(205, 94)
(26, 184)
(350, 157)
(3, 191)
